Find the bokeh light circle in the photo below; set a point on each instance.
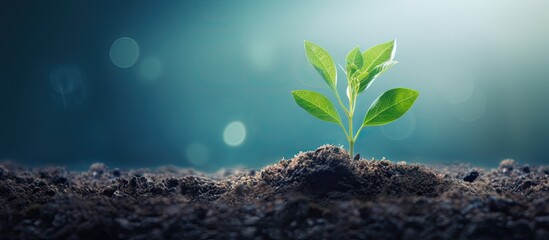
(150, 68)
(124, 52)
(234, 134)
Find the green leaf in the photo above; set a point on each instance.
(379, 54)
(366, 78)
(322, 62)
(353, 61)
(317, 105)
(390, 106)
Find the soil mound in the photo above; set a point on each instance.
(329, 171)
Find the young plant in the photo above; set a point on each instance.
(361, 69)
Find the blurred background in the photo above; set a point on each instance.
(206, 84)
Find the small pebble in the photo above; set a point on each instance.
(97, 169)
(50, 192)
(471, 176)
(527, 184)
(133, 182)
(507, 165)
(116, 172)
(241, 190)
(172, 183)
(59, 180)
(357, 156)
(109, 191)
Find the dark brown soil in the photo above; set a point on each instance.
(316, 195)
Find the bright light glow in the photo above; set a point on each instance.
(150, 68)
(234, 133)
(124, 52)
(197, 154)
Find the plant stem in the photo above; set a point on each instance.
(352, 102)
(351, 147)
(358, 133)
(349, 113)
(351, 140)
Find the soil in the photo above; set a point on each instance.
(321, 194)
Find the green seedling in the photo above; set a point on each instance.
(361, 69)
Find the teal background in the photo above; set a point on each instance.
(481, 68)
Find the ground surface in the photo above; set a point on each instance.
(316, 195)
